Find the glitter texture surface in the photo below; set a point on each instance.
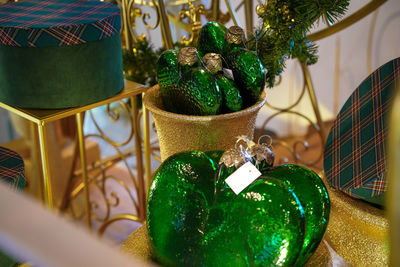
(231, 98)
(314, 198)
(357, 231)
(138, 245)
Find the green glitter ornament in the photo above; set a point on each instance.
(314, 198)
(305, 184)
(168, 77)
(231, 98)
(198, 94)
(211, 38)
(249, 75)
(196, 220)
(234, 40)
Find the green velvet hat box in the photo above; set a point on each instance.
(59, 53)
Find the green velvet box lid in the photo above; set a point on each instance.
(59, 53)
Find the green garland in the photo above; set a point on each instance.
(140, 64)
(282, 34)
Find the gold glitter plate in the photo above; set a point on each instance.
(177, 132)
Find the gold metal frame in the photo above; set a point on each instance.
(307, 85)
(42, 117)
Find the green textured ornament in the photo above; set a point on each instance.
(211, 38)
(194, 219)
(198, 94)
(249, 75)
(232, 100)
(168, 77)
(234, 40)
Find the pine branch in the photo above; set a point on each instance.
(282, 34)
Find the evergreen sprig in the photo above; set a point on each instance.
(140, 64)
(283, 32)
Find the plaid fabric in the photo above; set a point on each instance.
(44, 23)
(12, 168)
(355, 153)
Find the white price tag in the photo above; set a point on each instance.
(243, 177)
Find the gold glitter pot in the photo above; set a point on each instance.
(234, 35)
(177, 132)
(357, 231)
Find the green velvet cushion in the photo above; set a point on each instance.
(60, 77)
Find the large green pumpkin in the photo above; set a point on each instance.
(195, 219)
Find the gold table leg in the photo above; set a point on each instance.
(82, 152)
(314, 102)
(47, 188)
(248, 9)
(139, 160)
(147, 148)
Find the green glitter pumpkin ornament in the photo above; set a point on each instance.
(195, 219)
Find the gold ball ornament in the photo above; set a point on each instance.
(260, 9)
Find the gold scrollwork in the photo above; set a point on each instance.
(307, 84)
(214, 13)
(193, 13)
(100, 175)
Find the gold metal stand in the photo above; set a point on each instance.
(42, 117)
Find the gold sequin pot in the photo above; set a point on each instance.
(177, 132)
(357, 231)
